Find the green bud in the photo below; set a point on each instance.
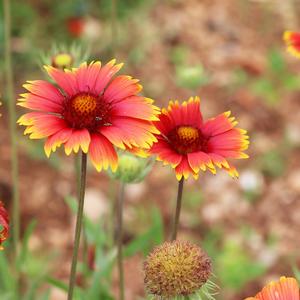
(62, 56)
(131, 168)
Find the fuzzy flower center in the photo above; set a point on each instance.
(62, 60)
(86, 110)
(186, 139)
(176, 269)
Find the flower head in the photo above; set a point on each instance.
(292, 40)
(176, 268)
(284, 289)
(89, 110)
(4, 225)
(189, 145)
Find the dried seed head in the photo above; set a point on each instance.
(176, 268)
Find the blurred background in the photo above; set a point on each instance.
(231, 54)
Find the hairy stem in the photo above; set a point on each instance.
(78, 228)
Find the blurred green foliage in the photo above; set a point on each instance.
(276, 81)
(32, 267)
(189, 76)
(235, 267)
(273, 163)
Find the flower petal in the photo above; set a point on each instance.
(105, 75)
(231, 143)
(184, 169)
(217, 125)
(136, 106)
(41, 125)
(199, 160)
(56, 140)
(130, 132)
(121, 87)
(102, 153)
(292, 40)
(79, 139)
(165, 153)
(284, 289)
(187, 114)
(65, 79)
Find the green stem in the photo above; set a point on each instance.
(78, 227)
(120, 241)
(178, 209)
(114, 32)
(12, 124)
(84, 237)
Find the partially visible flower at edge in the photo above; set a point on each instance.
(177, 268)
(189, 145)
(286, 288)
(292, 40)
(91, 111)
(4, 225)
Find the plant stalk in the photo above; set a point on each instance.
(178, 209)
(78, 181)
(12, 124)
(120, 241)
(114, 31)
(78, 228)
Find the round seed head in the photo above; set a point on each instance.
(176, 268)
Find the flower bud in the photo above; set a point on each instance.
(62, 61)
(176, 268)
(62, 57)
(131, 168)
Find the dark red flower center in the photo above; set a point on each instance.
(86, 110)
(186, 139)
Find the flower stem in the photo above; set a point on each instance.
(178, 209)
(72, 279)
(12, 124)
(78, 183)
(120, 240)
(114, 32)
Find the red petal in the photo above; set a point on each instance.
(102, 153)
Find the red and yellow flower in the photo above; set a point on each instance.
(90, 110)
(189, 145)
(284, 289)
(4, 225)
(292, 40)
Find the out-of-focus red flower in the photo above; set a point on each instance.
(75, 26)
(292, 40)
(284, 289)
(4, 225)
(91, 257)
